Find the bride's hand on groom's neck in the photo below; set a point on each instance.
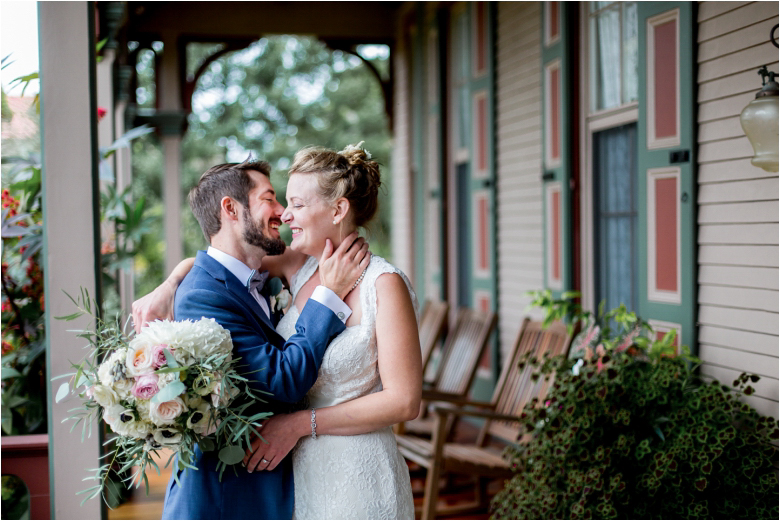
(340, 269)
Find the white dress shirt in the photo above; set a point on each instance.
(321, 294)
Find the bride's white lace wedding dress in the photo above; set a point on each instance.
(349, 477)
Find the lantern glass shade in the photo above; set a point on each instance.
(760, 123)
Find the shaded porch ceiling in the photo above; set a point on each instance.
(352, 22)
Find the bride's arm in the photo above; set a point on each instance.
(159, 303)
(400, 368)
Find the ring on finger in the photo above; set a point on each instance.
(265, 461)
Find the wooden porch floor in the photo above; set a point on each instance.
(458, 492)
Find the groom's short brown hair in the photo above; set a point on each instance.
(227, 179)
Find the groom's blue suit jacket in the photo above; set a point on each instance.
(287, 370)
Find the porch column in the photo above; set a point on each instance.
(170, 118)
(71, 230)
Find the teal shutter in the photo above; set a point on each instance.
(556, 147)
(666, 171)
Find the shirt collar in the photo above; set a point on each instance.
(233, 265)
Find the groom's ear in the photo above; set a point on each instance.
(229, 208)
(341, 209)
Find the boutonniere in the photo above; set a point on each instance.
(280, 296)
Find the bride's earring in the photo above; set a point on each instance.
(334, 222)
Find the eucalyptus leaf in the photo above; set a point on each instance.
(169, 358)
(62, 392)
(231, 455)
(206, 444)
(169, 392)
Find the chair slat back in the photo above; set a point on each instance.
(432, 324)
(463, 350)
(516, 387)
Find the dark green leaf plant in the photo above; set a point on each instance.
(636, 433)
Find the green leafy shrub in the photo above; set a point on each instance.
(632, 432)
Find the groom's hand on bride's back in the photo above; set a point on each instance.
(341, 268)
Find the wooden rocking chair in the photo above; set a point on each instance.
(461, 354)
(433, 322)
(514, 390)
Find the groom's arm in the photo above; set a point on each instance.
(288, 371)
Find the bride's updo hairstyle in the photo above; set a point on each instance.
(350, 173)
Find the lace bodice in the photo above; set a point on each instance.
(349, 367)
(349, 477)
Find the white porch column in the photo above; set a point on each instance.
(71, 238)
(170, 112)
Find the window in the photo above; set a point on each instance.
(613, 54)
(615, 219)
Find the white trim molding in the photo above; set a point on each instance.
(550, 40)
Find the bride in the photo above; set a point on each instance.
(346, 462)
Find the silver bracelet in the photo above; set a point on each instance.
(313, 424)
(359, 278)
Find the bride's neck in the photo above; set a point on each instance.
(336, 241)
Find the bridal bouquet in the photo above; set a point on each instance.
(171, 386)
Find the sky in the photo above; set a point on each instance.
(19, 38)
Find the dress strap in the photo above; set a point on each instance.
(303, 275)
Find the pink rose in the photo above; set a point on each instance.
(145, 386)
(158, 357)
(165, 413)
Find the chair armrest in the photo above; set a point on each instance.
(430, 395)
(442, 410)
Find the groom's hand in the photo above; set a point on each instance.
(340, 270)
(279, 435)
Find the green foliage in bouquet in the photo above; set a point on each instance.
(634, 432)
(172, 386)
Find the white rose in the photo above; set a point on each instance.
(104, 396)
(166, 378)
(165, 413)
(143, 406)
(139, 359)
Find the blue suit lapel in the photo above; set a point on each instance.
(234, 286)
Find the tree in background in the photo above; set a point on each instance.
(269, 100)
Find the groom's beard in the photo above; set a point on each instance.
(254, 235)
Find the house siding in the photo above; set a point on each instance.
(519, 163)
(738, 203)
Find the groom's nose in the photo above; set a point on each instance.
(279, 209)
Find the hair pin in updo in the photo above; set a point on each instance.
(351, 149)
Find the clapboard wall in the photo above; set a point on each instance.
(738, 203)
(519, 162)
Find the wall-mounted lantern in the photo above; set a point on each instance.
(760, 120)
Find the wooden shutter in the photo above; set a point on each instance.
(667, 197)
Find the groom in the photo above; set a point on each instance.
(236, 207)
